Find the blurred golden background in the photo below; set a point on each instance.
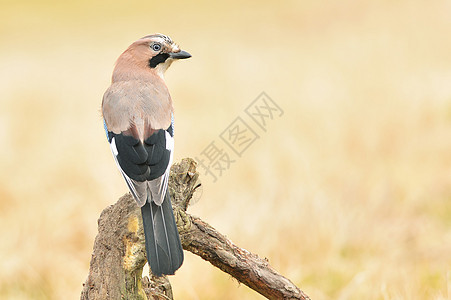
(347, 194)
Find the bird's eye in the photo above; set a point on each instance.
(156, 47)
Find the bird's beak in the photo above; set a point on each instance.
(179, 55)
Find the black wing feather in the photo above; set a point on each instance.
(142, 161)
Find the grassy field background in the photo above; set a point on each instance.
(347, 193)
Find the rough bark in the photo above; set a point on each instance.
(119, 256)
(119, 251)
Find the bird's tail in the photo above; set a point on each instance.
(163, 246)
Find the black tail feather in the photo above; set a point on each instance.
(163, 246)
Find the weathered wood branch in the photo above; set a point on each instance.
(119, 253)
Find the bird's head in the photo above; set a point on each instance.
(155, 52)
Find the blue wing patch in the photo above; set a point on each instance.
(172, 124)
(106, 131)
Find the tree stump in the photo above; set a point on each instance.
(119, 252)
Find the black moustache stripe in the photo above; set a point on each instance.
(159, 58)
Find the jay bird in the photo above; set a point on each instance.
(138, 118)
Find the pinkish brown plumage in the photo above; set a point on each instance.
(138, 113)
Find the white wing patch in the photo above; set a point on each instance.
(114, 148)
